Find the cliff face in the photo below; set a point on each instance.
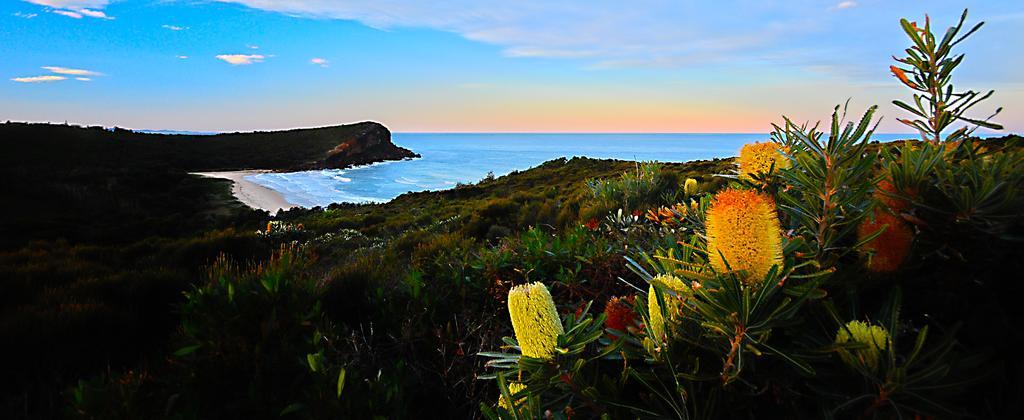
(372, 143)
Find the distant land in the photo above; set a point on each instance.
(96, 183)
(178, 132)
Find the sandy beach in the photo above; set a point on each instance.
(250, 193)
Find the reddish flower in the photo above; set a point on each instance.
(887, 194)
(592, 224)
(892, 246)
(619, 314)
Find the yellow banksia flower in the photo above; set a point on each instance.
(690, 187)
(742, 227)
(874, 337)
(672, 303)
(534, 320)
(758, 158)
(513, 389)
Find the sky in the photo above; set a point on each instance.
(482, 66)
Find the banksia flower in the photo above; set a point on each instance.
(619, 314)
(513, 389)
(874, 337)
(887, 194)
(690, 187)
(891, 247)
(672, 303)
(742, 227)
(758, 158)
(534, 320)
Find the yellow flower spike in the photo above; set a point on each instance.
(758, 158)
(534, 320)
(690, 187)
(672, 303)
(513, 389)
(742, 226)
(874, 337)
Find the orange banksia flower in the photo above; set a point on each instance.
(758, 158)
(884, 193)
(619, 314)
(890, 248)
(742, 227)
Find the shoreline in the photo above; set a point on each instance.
(250, 193)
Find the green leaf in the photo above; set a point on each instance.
(184, 351)
(341, 381)
(291, 408)
(314, 361)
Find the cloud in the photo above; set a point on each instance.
(174, 27)
(846, 5)
(253, 47)
(95, 14)
(547, 52)
(83, 79)
(72, 4)
(25, 15)
(68, 13)
(71, 72)
(647, 32)
(76, 9)
(39, 79)
(241, 59)
(319, 61)
(183, 57)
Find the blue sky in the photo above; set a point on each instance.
(528, 65)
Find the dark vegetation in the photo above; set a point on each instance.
(105, 296)
(123, 301)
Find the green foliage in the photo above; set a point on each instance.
(829, 183)
(646, 186)
(931, 66)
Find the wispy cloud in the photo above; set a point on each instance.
(319, 61)
(174, 27)
(253, 47)
(68, 13)
(846, 5)
(39, 79)
(95, 14)
(25, 15)
(72, 72)
(183, 57)
(76, 9)
(83, 79)
(649, 31)
(241, 59)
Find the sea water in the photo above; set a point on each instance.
(449, 159)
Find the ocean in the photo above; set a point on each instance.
(449, 159)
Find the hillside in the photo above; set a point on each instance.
(94, 184)
(71, 147)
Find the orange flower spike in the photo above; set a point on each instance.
(892, 246)
(886, 193)
(743, 227)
